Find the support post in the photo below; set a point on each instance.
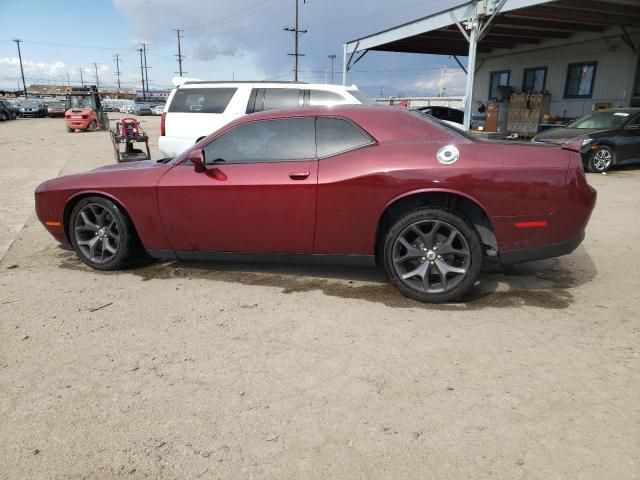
(344, 64)
(471, 72)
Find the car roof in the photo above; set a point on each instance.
(265, 84)
(620, 110)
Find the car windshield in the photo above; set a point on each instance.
(601, 120)
(80, 101)
(30, 103)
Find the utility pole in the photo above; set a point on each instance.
(95, 65)
(68, 81)
(296, 30)
(116, 57)
(146, 71)
(179, 56)
(144, 96)
(81, 79)
(24, 85)
(332, 57)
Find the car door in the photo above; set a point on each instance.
(628, 140)
(258, 194)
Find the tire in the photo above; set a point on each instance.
(102, 234)
(92, 126)
(3, 117)
(70, 130)
(602, 159)
(411, 246)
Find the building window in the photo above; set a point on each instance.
(580, 80)
(498, 78)
(534, 80)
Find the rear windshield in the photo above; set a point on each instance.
(201, 100)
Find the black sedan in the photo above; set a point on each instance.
(444, 113)
(610, 137)
(33, 108)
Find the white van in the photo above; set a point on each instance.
(197, 108)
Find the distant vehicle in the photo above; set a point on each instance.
(196, 108)
(141, 109)
(610, 138)
(32, 108)
(444, 113)
(353, 183)
(86, 111)
(157, 109)
(126, 109)
(7, 111)
(56, 109)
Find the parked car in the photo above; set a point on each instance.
(354, 183)
(609, 137)
(141, 109)
(7, 111)
(444, 113)
(157, 109)
(126, 109)
(197, 108)
(56, 109)
(33, 108)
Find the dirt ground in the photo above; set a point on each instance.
(185, 371)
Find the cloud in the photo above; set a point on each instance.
(453, 81)
(11, 66)
(221, 37)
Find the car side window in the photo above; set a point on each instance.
(201, 100)
(321, 98)
(282, 139)
(277, 98)
(335, 135)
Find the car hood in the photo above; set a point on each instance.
(142, 173)
(561, 135)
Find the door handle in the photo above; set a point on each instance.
(298, 175)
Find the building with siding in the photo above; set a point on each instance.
(583, 54)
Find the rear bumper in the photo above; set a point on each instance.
(540, 253)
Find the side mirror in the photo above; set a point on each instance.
(197, 158)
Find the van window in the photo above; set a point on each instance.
(283, 139)
(276, 98)
(336, 135)
(324, 98)
(201, 100)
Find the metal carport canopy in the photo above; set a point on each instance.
(482, 26)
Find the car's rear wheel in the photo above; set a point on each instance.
(92, 126)
(601, 160)
(102, 234)
(70, 130)
(432, 255)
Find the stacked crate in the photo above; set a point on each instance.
(526, 112)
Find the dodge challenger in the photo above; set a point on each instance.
(357, 184)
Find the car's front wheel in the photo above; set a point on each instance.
(432, 255)
(601, 160)
(102, 234)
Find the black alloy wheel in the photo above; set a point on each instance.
(602, 159)
(433, 255)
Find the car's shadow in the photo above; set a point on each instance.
(544, 284)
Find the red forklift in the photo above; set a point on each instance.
(84, 110)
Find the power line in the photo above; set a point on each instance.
(95, 65)
(144, 94)
(179, 55)
(146, 68)
(24, 85)
(116, 57)
(296, 31)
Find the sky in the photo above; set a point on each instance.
(223, 40)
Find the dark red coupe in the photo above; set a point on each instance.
(361, 184)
